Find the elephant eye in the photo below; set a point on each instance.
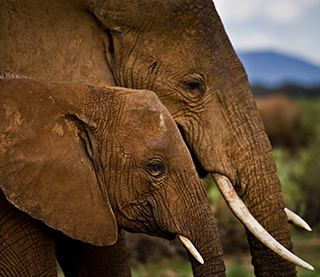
(194, 88)
(194, 85)
(156, 168)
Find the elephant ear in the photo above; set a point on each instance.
(49, 170)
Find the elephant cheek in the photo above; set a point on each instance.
(209, 149)
(137, 217)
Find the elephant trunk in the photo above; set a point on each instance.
(196, 222)
(205, 239)
(258, 186)
(269, 212)
(264, 201)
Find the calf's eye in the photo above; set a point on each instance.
(194, 86)
(156, 168)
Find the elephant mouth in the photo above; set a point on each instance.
(202, 173)
(138, 217)
(152, 230)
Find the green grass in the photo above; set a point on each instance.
(306, 246)
(183, 269)
(162, 269)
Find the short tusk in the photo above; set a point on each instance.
(242, 212)
(188, 244)
(297, 220)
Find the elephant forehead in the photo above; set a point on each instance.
(145, 112)
(152, 120)
(146, 123)
(150, 129)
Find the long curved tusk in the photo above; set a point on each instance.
(188, 244)
(297, 220)
(242, 212)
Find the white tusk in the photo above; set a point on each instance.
(188, 244)
(242, 212)
(297, 220)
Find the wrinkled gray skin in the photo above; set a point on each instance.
(281, 118)
(88, 162)
(178, 49)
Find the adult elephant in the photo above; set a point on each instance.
(178, 49)
(281, 118)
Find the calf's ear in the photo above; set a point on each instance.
(51, 174)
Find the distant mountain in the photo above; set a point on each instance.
(273, 69)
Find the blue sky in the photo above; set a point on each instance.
(288, 26)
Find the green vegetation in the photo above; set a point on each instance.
(236, 268)
(163, 268)
(300, 175)
(307, 246)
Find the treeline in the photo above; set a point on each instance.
(292, 90)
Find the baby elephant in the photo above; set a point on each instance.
(78, 164)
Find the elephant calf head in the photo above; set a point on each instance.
(88, 161)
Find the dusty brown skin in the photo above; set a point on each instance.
(88, 162)
(178, 49)
(281, 118)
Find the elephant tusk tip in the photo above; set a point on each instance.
(310, 267)
(297, 220)
(308, 229)
(200, 260)
(242, 212)
(188, 244)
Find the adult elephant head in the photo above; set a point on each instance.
(178, 49)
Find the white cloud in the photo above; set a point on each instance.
(285, 11)
(280, 10)
(233, 10)
(290, 26)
